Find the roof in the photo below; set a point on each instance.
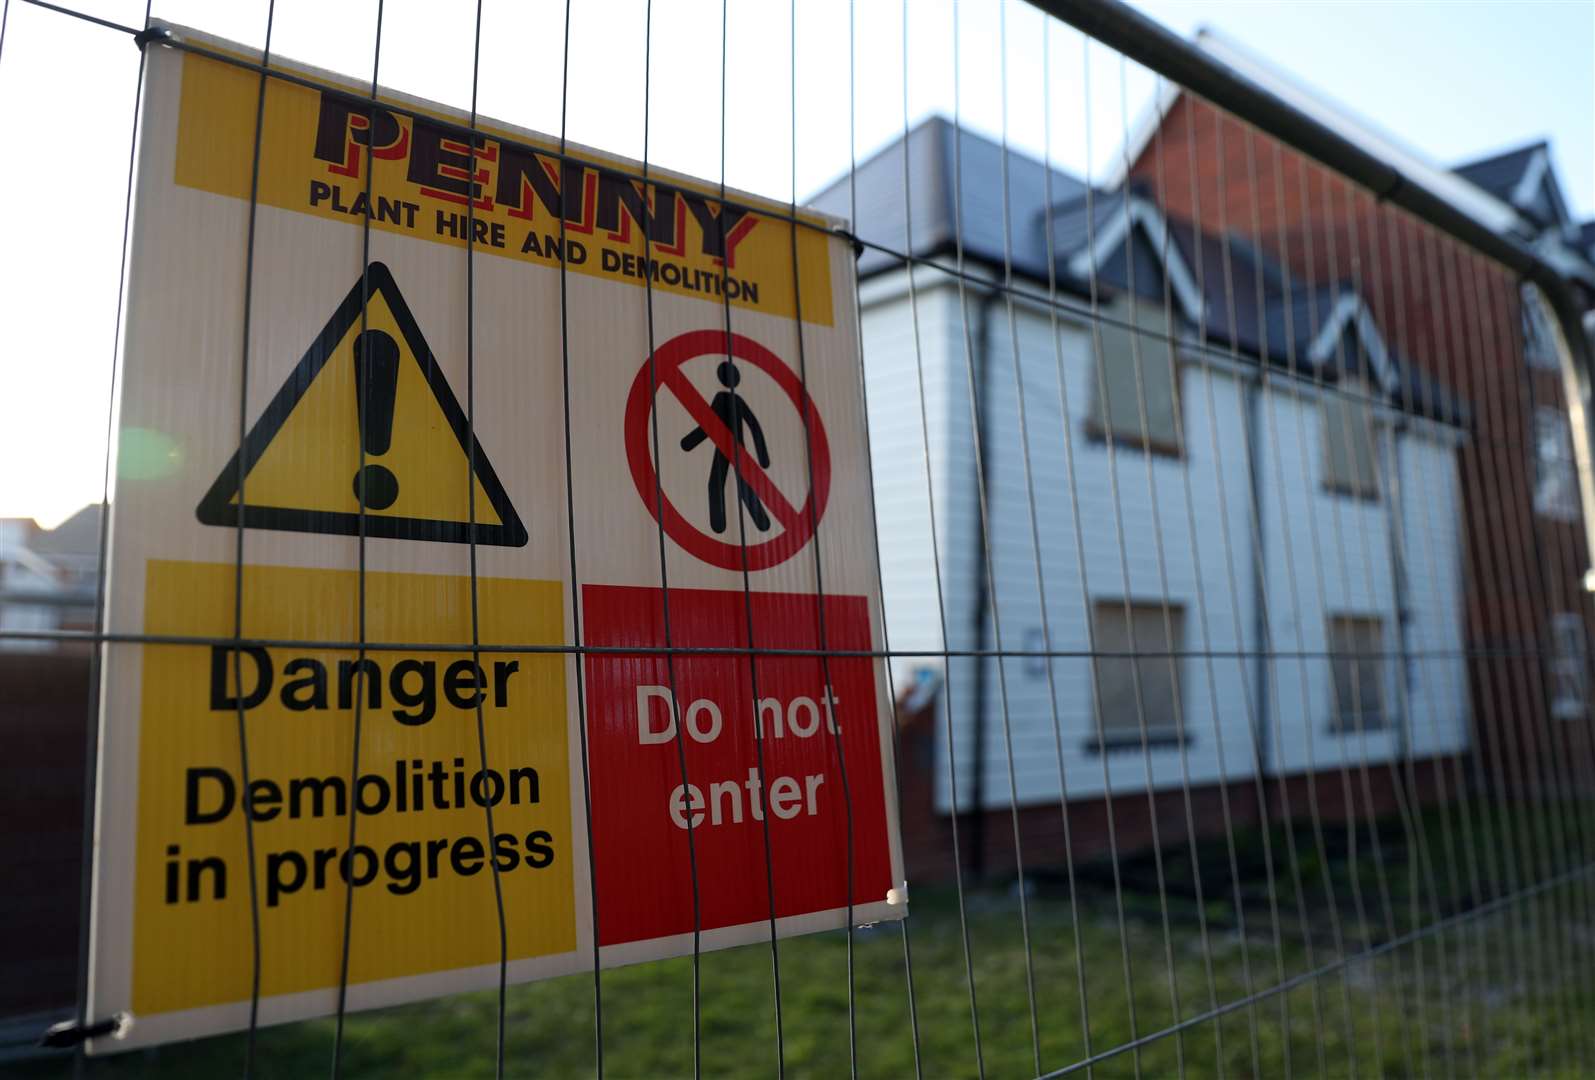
(1492, 211)
(1116, 241)
(1461, 194)
(1524, 179)
(1323, 330)
(77, 535)
(940, 160)
(1499, 173)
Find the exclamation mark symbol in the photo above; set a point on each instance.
(376, 382)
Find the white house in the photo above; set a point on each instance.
(1212, 527)
(48, 578)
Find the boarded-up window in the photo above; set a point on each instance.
(1350, 462)
(1151, 667)
(1357, 666)
(1568, 667)
(1555, 475)
(1117, 396)
(1539, 341)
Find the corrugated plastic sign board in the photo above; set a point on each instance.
(361, 377)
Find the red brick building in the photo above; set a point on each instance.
(1482, 334)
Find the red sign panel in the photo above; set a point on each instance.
(641, 723)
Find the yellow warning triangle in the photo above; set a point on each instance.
(368, 384)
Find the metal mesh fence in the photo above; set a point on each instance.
(1230, 529)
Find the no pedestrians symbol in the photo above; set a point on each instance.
(757, 491)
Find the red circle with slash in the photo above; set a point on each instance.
(663, 370)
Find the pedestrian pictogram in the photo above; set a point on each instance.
(368, 388)
(729, 425)
(734, 413)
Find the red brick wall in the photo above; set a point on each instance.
(928, 834)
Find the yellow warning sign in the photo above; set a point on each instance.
(290, 725)
(421, 863)
(367, 413)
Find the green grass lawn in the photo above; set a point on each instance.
(1499, 995)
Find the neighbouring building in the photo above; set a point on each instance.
(48, 577)
(1471, 324)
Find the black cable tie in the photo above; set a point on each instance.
(69, 1033)
(154, 32)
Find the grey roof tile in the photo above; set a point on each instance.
(77, 535)
(1499, 173)
(941, 160)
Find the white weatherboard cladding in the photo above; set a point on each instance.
(1438, 686)
(185, 380)
(901, 472)
(1326, 554)
(1138, 545)
(1198, 553)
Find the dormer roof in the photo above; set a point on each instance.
(1112, 242)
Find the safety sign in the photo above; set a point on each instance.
(727, 422)
(368, 352)
(544, 589)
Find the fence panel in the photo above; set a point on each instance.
(1228, 502)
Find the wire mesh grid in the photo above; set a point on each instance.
(1231, 549)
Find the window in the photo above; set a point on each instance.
(1539, 342)
(1350, 461)
(1555, 476)
(1117, 414)
(1356, 662)
(1153, 668)
(1568, 666)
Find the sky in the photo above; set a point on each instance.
(1453, 81)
